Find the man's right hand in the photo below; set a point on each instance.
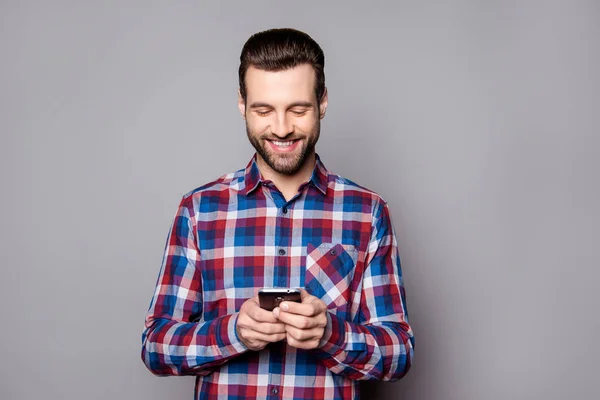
(257, 327)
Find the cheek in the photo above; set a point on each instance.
(306, 125)
(257, 125)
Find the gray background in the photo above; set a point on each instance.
(477, 121)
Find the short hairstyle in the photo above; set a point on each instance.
(281, 49)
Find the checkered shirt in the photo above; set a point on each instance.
(237, 234)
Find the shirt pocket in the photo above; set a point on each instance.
(330, 271)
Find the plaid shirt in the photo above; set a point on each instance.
(237, 234)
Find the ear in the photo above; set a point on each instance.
(241, 104)
(323, 104)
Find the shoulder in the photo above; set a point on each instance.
(363, 201)
(346, 190)
(221, 187)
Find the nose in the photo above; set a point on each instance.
(282, 125)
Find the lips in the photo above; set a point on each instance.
(284, 146)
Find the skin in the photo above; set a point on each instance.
(302, 325)
(256, 327)
(282, 106)
(304, 322)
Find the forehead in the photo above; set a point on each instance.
(280, 87)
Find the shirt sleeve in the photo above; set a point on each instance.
(380, 345)
(176, 340)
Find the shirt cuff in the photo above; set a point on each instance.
(340, 339)
(229, 341)
(225, 344)
(334, 336)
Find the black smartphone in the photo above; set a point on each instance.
(269, 298)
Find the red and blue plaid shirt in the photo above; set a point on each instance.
(237, 234)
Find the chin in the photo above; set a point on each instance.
(287, 169)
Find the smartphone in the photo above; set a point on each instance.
(269, 298)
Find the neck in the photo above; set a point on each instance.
(288, 184)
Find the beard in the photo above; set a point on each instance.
(285, 164)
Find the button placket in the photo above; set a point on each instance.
(282, 242)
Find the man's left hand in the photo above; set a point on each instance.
(305, 322)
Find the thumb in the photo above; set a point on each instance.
(305, 296)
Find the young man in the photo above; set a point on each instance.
(283, 221)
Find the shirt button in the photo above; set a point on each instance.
(274, 390)
(281, 252)
(284, 210)
(333, 252)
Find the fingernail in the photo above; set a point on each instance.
(284, 306)
(276, 312)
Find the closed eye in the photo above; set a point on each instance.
(299, 113)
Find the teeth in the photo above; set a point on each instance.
(283, 144)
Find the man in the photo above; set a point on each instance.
(283, 221)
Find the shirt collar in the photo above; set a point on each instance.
(320, 176)
(253, 178)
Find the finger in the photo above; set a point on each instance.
(306, 345)
(298, 321)
(256, 345)
(302, 322)
(303, 335)
(304, 295)
(253, 310)
(267, 328)
(307, 297)
(246, 322)
(251, 336)
(311, 308)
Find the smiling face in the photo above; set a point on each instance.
(283, 117)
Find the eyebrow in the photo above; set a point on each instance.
(305, 104)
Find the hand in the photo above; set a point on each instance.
(257, 327)
(305, 322)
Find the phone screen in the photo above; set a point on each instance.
(269, 298)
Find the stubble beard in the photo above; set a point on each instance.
(285, 164)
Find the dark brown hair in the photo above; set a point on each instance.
(281, 49)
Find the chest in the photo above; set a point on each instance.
(310, 244)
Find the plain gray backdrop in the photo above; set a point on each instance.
(477, 121)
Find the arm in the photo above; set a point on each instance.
(172, 343)
(380, 346)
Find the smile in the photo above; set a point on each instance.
(283, 144)
(287, 145)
